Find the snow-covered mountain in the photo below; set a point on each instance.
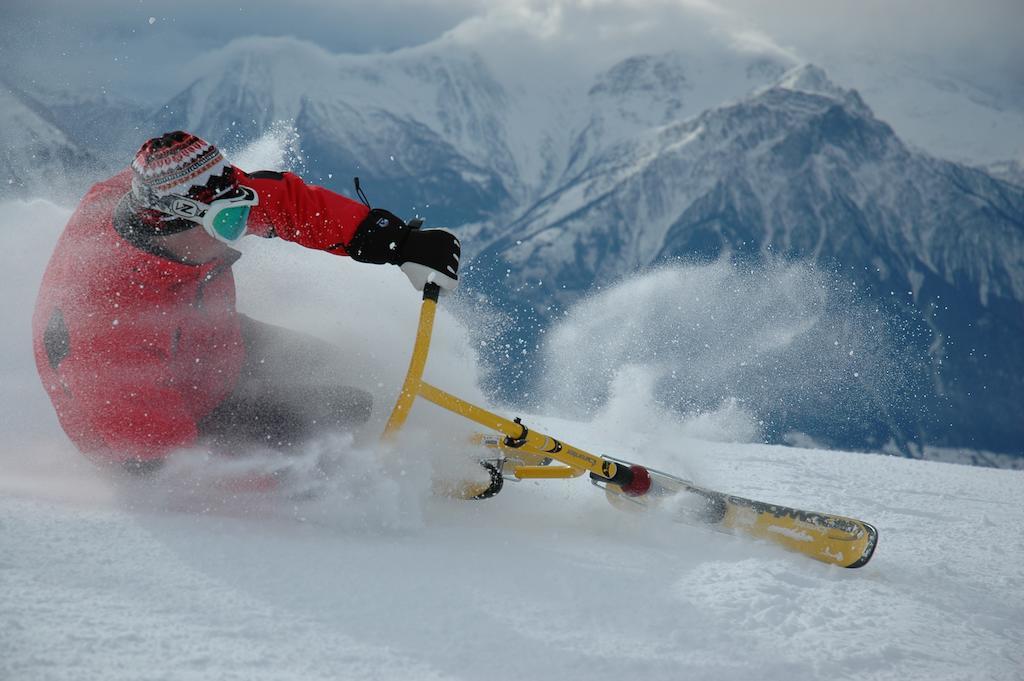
(803, 170)
(947, 114)
(36, 155)
(420, 131)
(791, 166)
(111, 128)
(436, 126)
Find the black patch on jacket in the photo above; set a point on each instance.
(56, 339)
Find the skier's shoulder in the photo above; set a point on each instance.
(101, 199)
(97, 206)
(112, 188)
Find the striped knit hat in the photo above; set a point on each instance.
(177, 163)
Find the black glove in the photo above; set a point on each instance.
(425, 256)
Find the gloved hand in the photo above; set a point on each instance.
(430, 255)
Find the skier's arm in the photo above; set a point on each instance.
(318, 218)
(304, 213)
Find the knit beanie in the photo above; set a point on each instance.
(176, 163)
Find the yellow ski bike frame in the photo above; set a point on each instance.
(528, 454)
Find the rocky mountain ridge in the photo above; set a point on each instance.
(803, 171)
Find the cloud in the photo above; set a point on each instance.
(980, 40)
(138, 47)
(554, 39)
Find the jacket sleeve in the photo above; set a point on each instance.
(304, 213)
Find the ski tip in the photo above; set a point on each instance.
(869, 548)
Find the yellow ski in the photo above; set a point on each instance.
(823, 536)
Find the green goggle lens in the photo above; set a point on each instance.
(229, 223)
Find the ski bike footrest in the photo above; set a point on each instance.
(518, 456)
(472, 489)
(546, 472)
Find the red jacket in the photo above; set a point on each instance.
(135, 348)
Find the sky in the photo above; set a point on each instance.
(979, 40)
(140, 44)
(135, 48)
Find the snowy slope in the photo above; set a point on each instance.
(542, 583)
(376, 579)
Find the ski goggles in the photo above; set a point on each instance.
(225, 218)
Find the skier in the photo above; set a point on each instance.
(135, 332)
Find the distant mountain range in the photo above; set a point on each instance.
(572, 183)
(803, 171)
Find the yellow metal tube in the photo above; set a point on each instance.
(571, 456)
(531, 441)
(417, 364)
(546, 472)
